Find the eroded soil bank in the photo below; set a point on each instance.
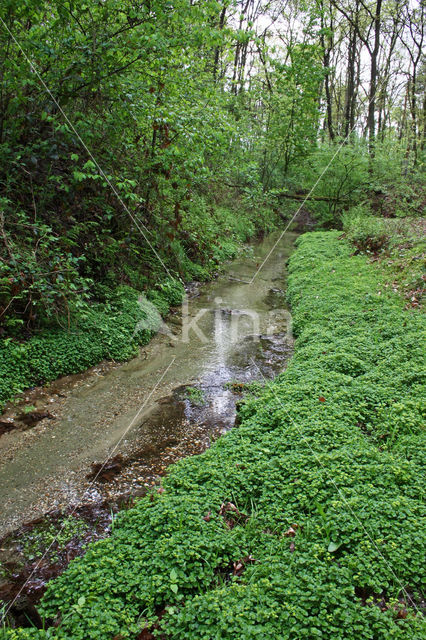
(85, 446)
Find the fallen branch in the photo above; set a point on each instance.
(294, 196)
(303, 198)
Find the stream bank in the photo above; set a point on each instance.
(52, 474)
(307, 518)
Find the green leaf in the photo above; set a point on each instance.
(89, 165)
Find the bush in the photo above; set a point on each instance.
(345, 175)
(366, 232)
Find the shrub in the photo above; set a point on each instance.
(365, 231)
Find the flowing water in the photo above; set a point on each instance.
(171, 401)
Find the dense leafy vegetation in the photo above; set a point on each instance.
(105, 176)
(303, 522)
(143, 141)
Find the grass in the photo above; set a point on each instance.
(303, 522)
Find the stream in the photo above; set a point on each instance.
(173, 400)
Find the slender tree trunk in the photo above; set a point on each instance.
(356, 89)
(218, 49)
(371, 118)
(350, 83)
(384, 94)
(327, 48)
(413, 105)
(402, 123)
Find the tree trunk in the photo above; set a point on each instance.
(218, 49)
(350, 84)
(371, 119)
(326, 63)
(413, 105)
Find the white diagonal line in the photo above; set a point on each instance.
(130, 425)
(139, 225)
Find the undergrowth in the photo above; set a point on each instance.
(111, 330)
(303, 522)
(103, 327)
(398, 245)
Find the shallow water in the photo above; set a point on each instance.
(172, 400)
(41, 468)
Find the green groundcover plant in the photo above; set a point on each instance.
(109, 331)
(303, 522)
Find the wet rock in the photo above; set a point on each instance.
(275, 298)
(23, 613)
(192, 289)
(31, 418)
(106, 471)
(6, 425)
